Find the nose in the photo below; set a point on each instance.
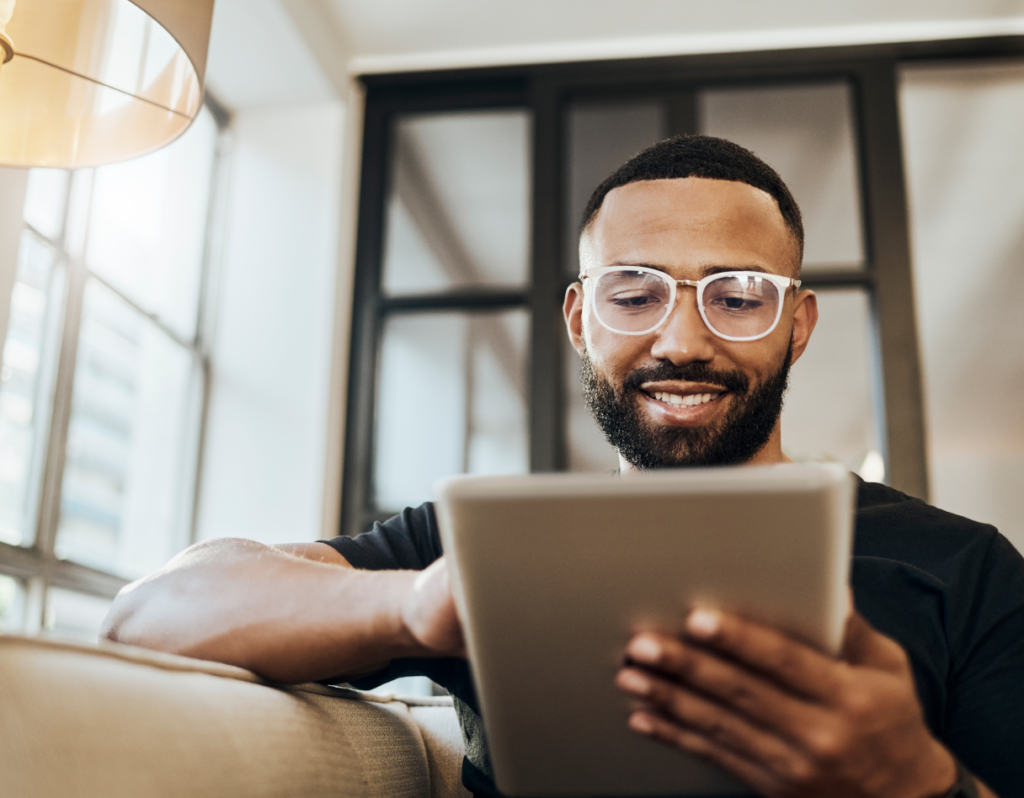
(684, 337)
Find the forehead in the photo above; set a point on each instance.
(687, 225)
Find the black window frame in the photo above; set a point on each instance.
(545, 90)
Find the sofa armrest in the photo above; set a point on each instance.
(111, 720)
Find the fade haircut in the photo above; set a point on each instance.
(707, 157)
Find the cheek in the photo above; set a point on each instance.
(758, 359)
(613, 353)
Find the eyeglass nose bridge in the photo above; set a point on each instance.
(695, 284)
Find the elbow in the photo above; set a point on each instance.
(144, 613)
(118, 625)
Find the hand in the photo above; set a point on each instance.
(784, 718)
(428, 613)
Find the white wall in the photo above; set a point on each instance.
(962, 129)
(266, 446)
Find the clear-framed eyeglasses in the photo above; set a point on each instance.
(736, 306)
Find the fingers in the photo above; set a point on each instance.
(776, 713)
(430, 614)
(794, 667)
(693, 686)
(730, 728)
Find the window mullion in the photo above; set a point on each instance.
(49, 511)
(546, 427)
(73, 242)
(367, 322)
(887, 223)
(208, 293)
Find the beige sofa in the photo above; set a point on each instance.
(81, 720)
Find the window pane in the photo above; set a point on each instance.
(806, 134)
(587, 448)
(148, 225)
(830, 412)
(26, 386)
(129, 445)
(602, 137)
(74, 615)
(962, 138)
(10, 605)
(459, 202)
(451, 399)
(45, 201)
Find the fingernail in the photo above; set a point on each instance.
(644, 649)
(638, 721)
(634, 682)
(702, 623)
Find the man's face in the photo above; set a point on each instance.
(681, 395)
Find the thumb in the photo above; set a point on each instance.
(431, 613)
(864, 645)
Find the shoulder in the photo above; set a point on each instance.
(935, 570)
(913, 560)
(407, 541)
(894, 526)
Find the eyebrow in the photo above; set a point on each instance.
(705, 271)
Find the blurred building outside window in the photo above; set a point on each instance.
(103, 380)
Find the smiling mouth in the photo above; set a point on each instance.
(689, 400)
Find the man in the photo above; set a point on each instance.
(673, 382)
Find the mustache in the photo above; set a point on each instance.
(733, 381)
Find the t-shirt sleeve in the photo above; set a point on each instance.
(409, 541)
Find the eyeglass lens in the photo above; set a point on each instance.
(634, 301)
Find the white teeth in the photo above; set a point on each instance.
(690, 400)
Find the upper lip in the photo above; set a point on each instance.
(681, 388)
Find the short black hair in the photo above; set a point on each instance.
(701, 156)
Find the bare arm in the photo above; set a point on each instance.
(292, 613)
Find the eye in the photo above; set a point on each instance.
(634, 300)
(736, 303)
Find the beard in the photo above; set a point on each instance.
(735, 439)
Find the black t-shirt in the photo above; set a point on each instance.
(949, 590)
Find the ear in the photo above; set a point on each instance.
(805, 316)
(572, 309)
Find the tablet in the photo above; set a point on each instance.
(552, 574)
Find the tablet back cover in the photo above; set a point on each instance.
(553, 574)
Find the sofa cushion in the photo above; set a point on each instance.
(109, 720)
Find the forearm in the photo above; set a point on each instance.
(284, 617)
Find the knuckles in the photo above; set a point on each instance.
(741, 696)
(859, 706)
(797, 770)
(829, 745)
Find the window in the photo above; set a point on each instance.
(829, 120)
(452, 378)
(103, 380)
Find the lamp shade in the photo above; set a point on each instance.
(88, 82)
